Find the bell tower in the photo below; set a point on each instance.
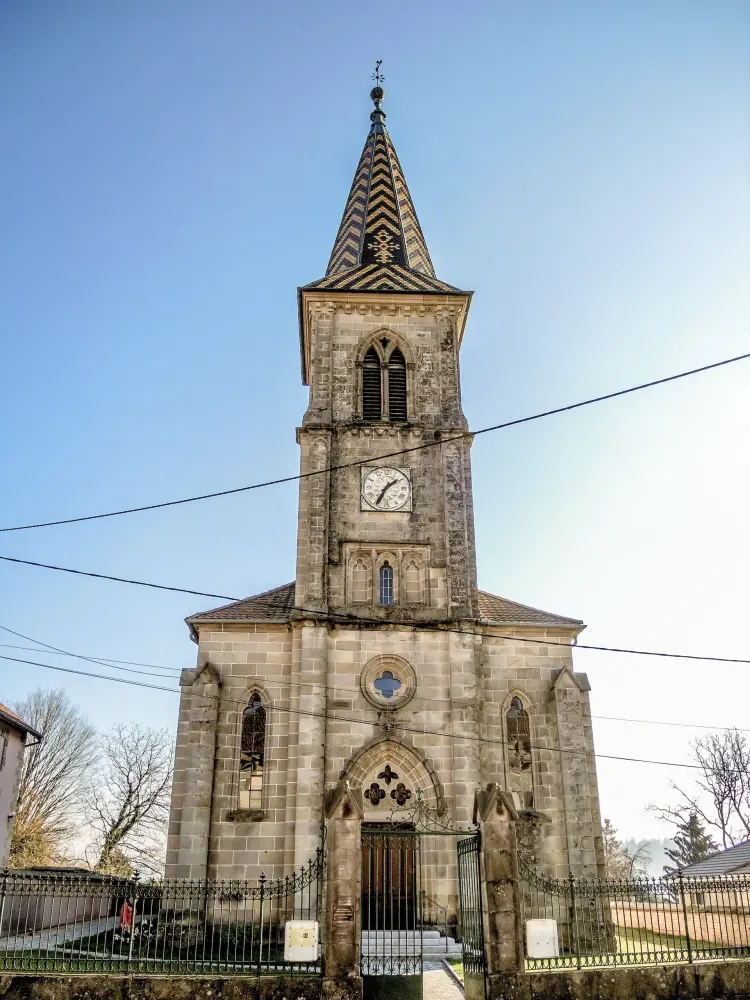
(385, 526)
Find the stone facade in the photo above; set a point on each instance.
(429, 689)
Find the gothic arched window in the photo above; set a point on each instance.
(519, 737)
(386, 583)
(371, 386)
(397, 386)
(252, 754)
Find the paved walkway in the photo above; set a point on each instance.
(438, 984)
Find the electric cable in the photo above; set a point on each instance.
(97, 659)
(64, 652)
(361, 722)
(342, 619)
(393, 454)
(331, 689)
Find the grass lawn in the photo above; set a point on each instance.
(457, 965)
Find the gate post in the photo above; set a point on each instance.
(341, 940)
(494, 810)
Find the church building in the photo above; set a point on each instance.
(381, 665)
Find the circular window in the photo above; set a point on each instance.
(388, 682)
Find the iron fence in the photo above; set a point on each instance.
(68, 923)
(637, 921)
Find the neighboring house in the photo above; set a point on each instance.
(734, 861)
(14, 733)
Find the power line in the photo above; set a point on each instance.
(360, 722)
(64, 652)
(86, 673)
(118, 579)
(99, 659)
(343, 619)
(393, 454)
(334, 690)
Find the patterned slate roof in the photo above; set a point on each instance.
(723, 862)
(278, 604)
(380, 245)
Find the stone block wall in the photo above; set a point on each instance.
(324, 723)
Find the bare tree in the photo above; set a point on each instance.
(52, 775)
(128, 799)
(619, 862)
(722, 802)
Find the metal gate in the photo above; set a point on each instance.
(391, 903)
(396, 867)
(470, 906)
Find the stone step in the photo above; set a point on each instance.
(425, 935)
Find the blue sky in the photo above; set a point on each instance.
(174, 170)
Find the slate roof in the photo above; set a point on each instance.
(9, 716)
(500, 609)
(278, 604)
(723, 862)
(380, 245)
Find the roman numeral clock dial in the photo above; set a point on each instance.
(386, 489)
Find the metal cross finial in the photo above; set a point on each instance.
(377, 75)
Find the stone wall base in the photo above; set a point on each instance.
(39, 986)
(663, 982)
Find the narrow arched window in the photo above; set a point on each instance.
(252, 754)
(519, 737)
(397, 386)
(371, 386)
(386, 583)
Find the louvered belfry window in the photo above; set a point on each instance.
(397, 386)
(371, 391)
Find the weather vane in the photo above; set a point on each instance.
(377, 75)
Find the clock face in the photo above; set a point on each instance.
(386, 489)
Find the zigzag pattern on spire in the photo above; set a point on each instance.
(380, 229)
(346, 249)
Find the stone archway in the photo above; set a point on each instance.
(391, 775)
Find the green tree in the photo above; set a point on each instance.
(692, 843)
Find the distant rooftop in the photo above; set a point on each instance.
(723, 862)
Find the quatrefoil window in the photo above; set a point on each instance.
(387, 775)
(401, 794)
(387, 684)
(375, 794)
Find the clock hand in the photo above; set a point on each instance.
(385, 490)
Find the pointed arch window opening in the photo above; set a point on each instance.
(519, 736)
(252, 754)
(384, 385)
(386, 584)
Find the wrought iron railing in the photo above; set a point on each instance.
(90, 923)
(434, 915)
(637, 921)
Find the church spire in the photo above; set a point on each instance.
(380, 245)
